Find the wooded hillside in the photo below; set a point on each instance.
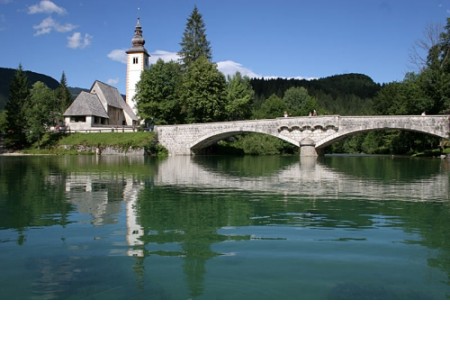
(7, 74)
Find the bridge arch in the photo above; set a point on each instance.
(340, 135)
(216, 136)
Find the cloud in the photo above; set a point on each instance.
(226, 67)
(113, 82)
(163, 55)
(48, 25)
(118, 55)
(230, 68)
(78, 41)
(47, 7)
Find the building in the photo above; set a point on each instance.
(137, 62)
(103, 106)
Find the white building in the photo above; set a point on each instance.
(103, 106)
(137, 62)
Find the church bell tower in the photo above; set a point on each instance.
(137, 62)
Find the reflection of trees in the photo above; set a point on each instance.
(183, 217)
(248, 166)
(383, 168)
(29, 196)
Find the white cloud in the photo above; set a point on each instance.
(118, 55)
(113, 82)
(78, 41)
(47, 7)
(226, 67)
(163, 55)
(230, 68)
(48, 25)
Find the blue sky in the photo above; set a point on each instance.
(271, 38)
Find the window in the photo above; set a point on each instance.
(135, 61)
(78, 119)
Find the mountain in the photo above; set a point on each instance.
(358, 85)
(7, 74)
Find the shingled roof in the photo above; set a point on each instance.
(110, 96)
(86, 104)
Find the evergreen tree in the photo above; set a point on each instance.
(239, 98)
(157, 93)
(203, 92)
(194, 43)
(15, 118)
(63, 97)
(3, 123)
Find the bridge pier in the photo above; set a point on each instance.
(308, 148)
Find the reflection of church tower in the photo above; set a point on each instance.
(137, 61)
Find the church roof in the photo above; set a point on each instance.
(86, 104)
(97, 101)
(110, 94)
(113, 98)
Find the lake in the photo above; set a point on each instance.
(112, 227)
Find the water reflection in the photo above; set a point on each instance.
(306, 177)
(203, 213)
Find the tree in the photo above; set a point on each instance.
(157, 93)
(298, 102)
(435, 78)
(3, 122)
(15, 118)
(63, 97)
(273, 107)
(194, 43)
(39, 112)
(203, 92)
(239, 98)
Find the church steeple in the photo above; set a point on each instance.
(138, 61)
(138, 40)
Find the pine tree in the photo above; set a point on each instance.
(15, 117)
(63, 98)
(194, 43)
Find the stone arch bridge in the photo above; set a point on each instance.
(311, 134)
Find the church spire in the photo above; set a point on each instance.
(138, 39)
(137, 62)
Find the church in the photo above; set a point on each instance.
(103, 106)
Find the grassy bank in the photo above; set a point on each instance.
(71, 143)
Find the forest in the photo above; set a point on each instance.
(195, 91)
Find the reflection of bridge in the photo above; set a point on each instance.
(308, 133)
(305, 178)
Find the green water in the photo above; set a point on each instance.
(224, 228)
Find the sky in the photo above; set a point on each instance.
(260, 38)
